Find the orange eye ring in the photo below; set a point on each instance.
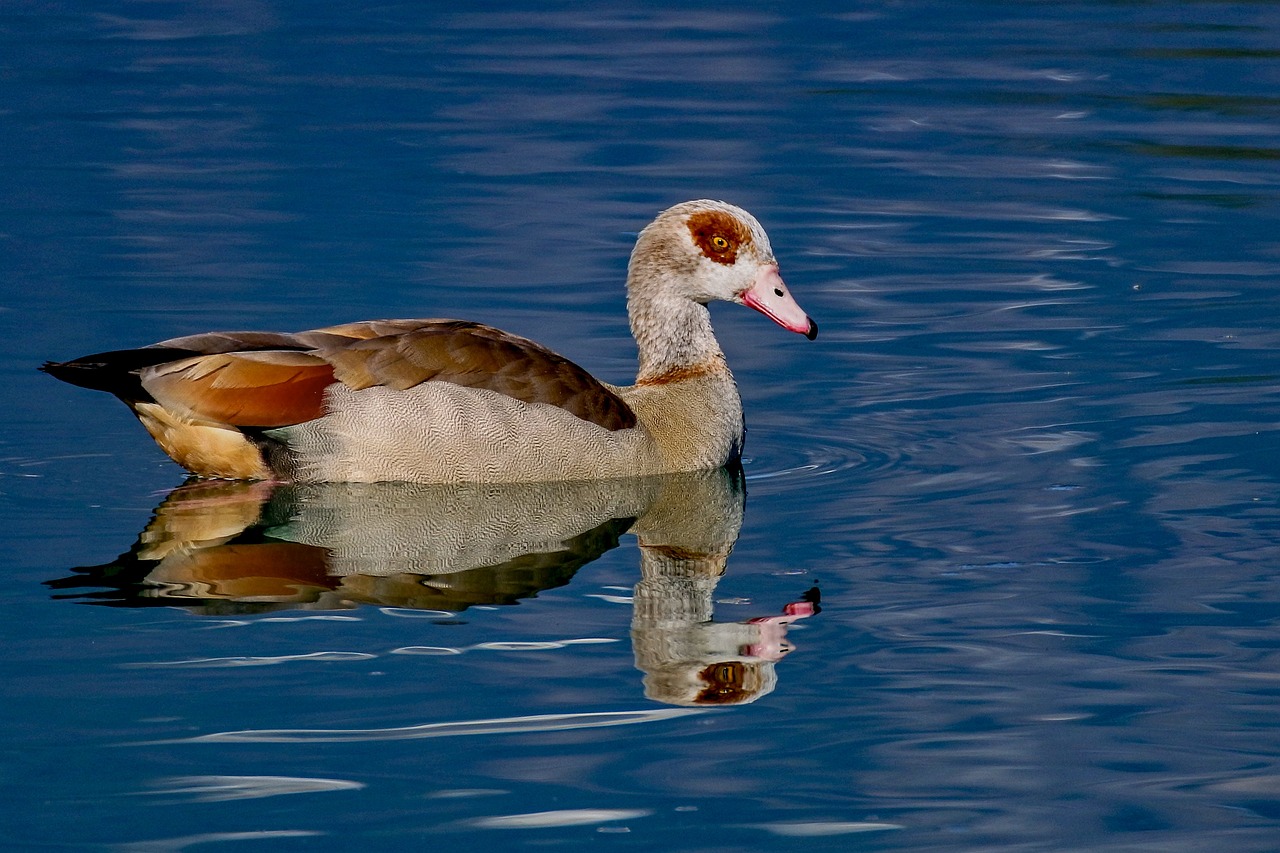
(719, 243)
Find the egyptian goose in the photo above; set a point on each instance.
(442, 401)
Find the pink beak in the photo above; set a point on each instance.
(769, 295)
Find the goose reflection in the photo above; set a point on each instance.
(219, 547)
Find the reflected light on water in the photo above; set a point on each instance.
(217, 789)
(565, 817)
(464, 728)
(182, 842)
(821, 829)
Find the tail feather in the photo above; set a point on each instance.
(115, 372)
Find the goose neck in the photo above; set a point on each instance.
(674, 338)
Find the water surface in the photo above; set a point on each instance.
(1030, 463)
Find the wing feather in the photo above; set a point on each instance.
(263, 389)
(476, 356)
(274, 379)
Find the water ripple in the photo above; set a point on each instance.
(562, 817)
(216, 789)
(820, 828)
(173, 845)
(808, 455)
(246, 660)
(501, 725)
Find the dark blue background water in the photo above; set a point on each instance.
(1031, 461)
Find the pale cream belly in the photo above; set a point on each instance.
(439, 432)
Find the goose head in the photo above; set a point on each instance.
(705, 251)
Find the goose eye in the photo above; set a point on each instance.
(717, 236)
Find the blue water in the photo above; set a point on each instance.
(1030, 463)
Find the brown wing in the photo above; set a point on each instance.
(251, 389)
(408, 353)
(271, 379)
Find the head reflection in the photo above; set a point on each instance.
(686, 656)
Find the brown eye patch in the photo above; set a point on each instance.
(724, 684)
(719, 235)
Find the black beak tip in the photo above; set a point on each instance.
(813, 330)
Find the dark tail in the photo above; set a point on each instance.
(115, 372)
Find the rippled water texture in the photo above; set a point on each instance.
(999, 571)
